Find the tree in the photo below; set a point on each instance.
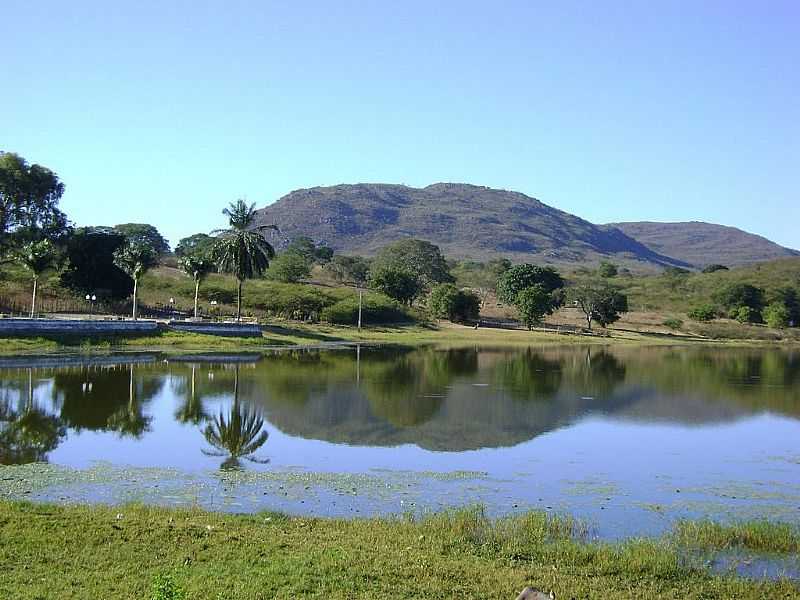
(311, 252)
(289, 267)
(790, 298)
(737, 295)
(37, 257)
(607, 269)
(396, 283)
(777, 315)
(746, 314)
(703, 313)
(601, 303)
(29, 196)
(419, 258)
(349, 269)
(90, 266)
(145, 233)
(242, 250)
(520, 277)
(199, 243)
(533, 303)
(197, 266)
(714, 268)
(446, 301)
(135, 257)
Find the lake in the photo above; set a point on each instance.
(627, 438)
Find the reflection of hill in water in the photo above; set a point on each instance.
(467, 399)
(437, 399)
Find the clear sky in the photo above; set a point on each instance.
(165, 111)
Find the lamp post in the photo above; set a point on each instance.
(172, 307)
(91, 299)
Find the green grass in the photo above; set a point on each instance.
(140, 552)
(760, 536)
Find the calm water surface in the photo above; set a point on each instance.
(629, 439)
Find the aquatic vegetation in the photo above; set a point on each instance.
(762, 535)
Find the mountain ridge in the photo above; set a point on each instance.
(467, 221)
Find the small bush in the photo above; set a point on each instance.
(376, 308)
(777, 315)
(672, 323)
(222, 295)
(703, 313)
(165, 588)
(747, 314)
(291, 301)
(446, 301)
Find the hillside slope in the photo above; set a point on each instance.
(701, 244)
(466, 221)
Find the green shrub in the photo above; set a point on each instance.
(747, 314)
(291, 301)
(703, 313)
(376, 308)
(222, 295)
(165, 588)
(446, 301)
(777, 315)
(672, 323)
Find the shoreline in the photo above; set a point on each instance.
(123, 551)
(282, 335)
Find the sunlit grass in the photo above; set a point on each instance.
(122, 552)
(760, 536)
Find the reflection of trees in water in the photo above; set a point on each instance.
(237, 434)
(191, 409)
(128, 420)
(29, 434)
(527, 375)
(106, 398)
(597, 375)
(409, 390)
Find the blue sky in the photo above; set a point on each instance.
(163, 112)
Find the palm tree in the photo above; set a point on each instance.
(135, 257)
(242, 249)
(197, 267)
(236, 435)
(37, 257)
(191, 411)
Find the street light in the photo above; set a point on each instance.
(91, 299)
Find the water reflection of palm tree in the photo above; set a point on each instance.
(238, 434)
(129, 420)
(31, 434)
(192, 410)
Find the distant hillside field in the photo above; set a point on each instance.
(466, 221)
(475, 222)
(702, 244)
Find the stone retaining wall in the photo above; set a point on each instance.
(33, 327)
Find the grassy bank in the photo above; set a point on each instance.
(123, 552)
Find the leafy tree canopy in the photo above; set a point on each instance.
(446, 301)
(520, 277)
(289, 267)
(29, 196)
(714, 268)
(607, 269)
(599, 302)
(777, 315)
(418, 258)
(395, 283)
(197, 244)
(311, 252)
(90, 263)
(143, 232)
(738, 295)
(533, 303)
(349, 269)
(135, 257)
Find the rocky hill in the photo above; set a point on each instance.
(469, 221)
(466, 221)
(701, 244)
